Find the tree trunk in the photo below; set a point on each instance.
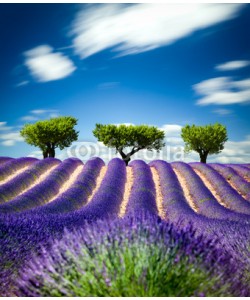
(203, 157)
(126, 160)
(126, 157)
(51, 152)
(45, 153)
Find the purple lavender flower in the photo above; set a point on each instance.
(229, 195)
(13, 165)
(42, 192)
(239, 183)
(13, 187)
(142, 196)
(77, 195)
(4, 159)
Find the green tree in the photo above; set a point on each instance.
(51, 134)
(205, 140)
(138, 137)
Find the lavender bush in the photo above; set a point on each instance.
(241, 170)
(13, 165)
(45, 190)
(205, 202)
(4, 159)
(140, 256)
(238, 182)
(142, 196)
(106, 201)
(174, 203)
(229, 196)
(15, 186)
(77, 195)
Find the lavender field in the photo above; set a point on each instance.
(157, 229)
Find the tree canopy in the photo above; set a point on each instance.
(208, 139)
(51, 134)
(136, 136)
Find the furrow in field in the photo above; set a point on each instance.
(11, 176)
(75, 197)
(246, 197)
(228, 195)
(40, 179)
(23, 181)
(106, 201)
(211, 188)
(243, 171)
(159, 195)
(187, 194)
(45, 187)
(127, 191)
(10, 167)
(98, 182)
(68, 183)
(236, 181)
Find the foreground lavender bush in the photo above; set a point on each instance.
(139, 256)
(13, 165)
(142, 196)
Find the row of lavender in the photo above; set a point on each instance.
(37, 198)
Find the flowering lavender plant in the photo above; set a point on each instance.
(77, 195)
(42, 192)
(107, 199)
(241, 170)
(13, 165)
(230, 197)
(139, 256)
(142, 196)
(4, 159)
(15, 186)
(238, 182)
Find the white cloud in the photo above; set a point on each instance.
(10, 138)
(171, 130)
(222, 111)
(131, 29)
(29, 118)
(223, 91)
(46, 65)
(39, 114)
(43, 111)
(37, 154)
(232, 65)
(22, 83)
(3, 126)
(8, 143)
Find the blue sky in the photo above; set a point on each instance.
(159, 64)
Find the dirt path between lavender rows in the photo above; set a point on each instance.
(211, 188)
(159, 196)
(185, 189)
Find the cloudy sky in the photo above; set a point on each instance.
(159, 64)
